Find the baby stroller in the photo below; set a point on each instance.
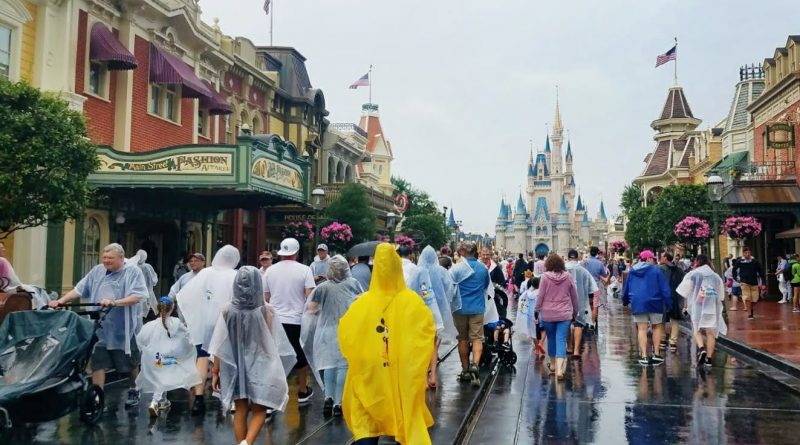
(43, 357)
(504, 351)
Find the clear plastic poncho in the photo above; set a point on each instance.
(420, 282)
(705, 294)
(251, 345)
(319, 329)
(586, 286)
(202, 299)
(150, 280)
(168, 357)
(445, 292)
(458, 273)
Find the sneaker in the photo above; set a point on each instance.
(673, 346)
(305, 397)
(795, 310)
(465, 375)
(663, 345)
(783, 301)
(474, 374)
(709, 361)
(133, 398)
(270, 411)
(153, 410)
(199, 406)
(645, 361)
(657, 360)
(751, 317)
(701, 357)
(337, 410)
(327, 408)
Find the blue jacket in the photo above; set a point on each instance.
(473, 289)
(646, 290)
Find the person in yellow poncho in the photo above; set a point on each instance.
(385, 337)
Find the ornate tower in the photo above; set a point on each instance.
(500, 225)
(563, 229)
(520, 227)
(558, 141)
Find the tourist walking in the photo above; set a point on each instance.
(197, 262)
(784, 274)
(119, 288)
(588, 291)
(321, 263)
(557, 305)
(200, 302)
(750, 275)
(264, 261)
(406, 253)
(385, 337)
(362, 272)
(600, 274)
(704, 291)
(168, 357)
(319, 333)
(472, 279)
(287, 286)
(150, 280)
(647, 292)
(252, 357)
(674, 275)
(519, 270)
(794, 264)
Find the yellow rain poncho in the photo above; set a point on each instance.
(386, 337)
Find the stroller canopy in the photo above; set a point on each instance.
(38, 348)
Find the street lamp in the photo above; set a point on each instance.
(391, 221)
(316, 203)
(714, 184)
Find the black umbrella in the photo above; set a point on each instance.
(363, 249)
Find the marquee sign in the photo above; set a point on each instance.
(276, 173)
(780, 136)
(187, 164)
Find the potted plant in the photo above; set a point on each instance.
(337, 236)
(300, 230)
(741, 227)
(692, 230)
(619, 246)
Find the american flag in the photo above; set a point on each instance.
(266, 6)
(363, 81)
(672, 54)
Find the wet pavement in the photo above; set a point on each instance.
(775, 329)
(607, 398)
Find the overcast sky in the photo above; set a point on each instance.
(463, 85)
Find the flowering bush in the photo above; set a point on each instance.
(337, 235)
(301, 230)
(403, 240)
(742, 227)
(619, 246)
(692, 230)
(446, 250)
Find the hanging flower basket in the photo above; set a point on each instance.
(619, 246)
(692, 230)
(403, 240)
(301, 230)
(337, 235)
(742, 227)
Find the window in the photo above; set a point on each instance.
(90, 255)
(228, 130)
(5, 52)
(202, 122)
(98, 79)
(165, 101)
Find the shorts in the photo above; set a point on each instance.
(293, 332)
(201, 353)
(115, 359)
(652, 318)
(750, 292)
(736, 291)
(795, 285)
(469, 327)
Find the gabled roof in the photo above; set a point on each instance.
(542, 213)
(676, 105)
(541, 159)
(547, 144)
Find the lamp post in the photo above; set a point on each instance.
(714, 184)
(316, 203)
(391, 221)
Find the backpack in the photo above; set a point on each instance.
(787, 272)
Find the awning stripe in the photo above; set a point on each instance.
(105, 47)
(216, 104)
(168, 69)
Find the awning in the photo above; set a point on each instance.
(216, 104)
(730, 161)
(789, 234)
(105, 47)
(168, 69)
(775, 194)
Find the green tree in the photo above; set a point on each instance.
(420, 203)
(45, 159)
(673, 204)
(426, 230)
(638, 231)
(353, 208)
(631, 199)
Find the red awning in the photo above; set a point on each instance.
(105, 47)
(168, 69)
(216, 104)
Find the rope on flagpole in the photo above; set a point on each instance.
(271, 22)
(676, 61)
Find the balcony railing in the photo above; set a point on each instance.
(379, 201)
(764, 171)
(349, 128)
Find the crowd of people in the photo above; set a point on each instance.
(368, 329)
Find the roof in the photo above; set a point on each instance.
(602, 212)
(547, 144)
(585, 220)
(658, 161)
(451, 221)
(542, 212)
(732, 160)
(503, 210)
(293, 76)
(569, 151)
(579, 205)
(521, 210)
(688, 146)
(541, 159)
(572, 181)
(747, 92)
(557, 120)
(371, 123)
(763, 195)
(676, 105)
(531, 171)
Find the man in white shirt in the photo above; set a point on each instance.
(405, 253)
(287, 285)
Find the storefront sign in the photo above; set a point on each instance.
(780, 136)
(187, 164)
(274, 172)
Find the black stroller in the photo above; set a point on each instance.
(43, 357)
(505, 352)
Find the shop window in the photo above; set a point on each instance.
(165, 101)
(203, 125)
(98, 79)
(5, 52)
(229, 130)
(90, 252)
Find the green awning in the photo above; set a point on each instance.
(730, 161)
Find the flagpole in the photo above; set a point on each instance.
(271, 22)
(370, 83)
(676, 61)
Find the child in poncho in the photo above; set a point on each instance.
(168, 357)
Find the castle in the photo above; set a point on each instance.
(551, 186)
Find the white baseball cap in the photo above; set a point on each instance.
(323, 247)
(289, 247)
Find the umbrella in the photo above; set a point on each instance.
(363, 249)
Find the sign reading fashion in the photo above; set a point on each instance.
(194, 164)
(780, 136)
(274, 172)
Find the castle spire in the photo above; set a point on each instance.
(557, 121)
(547, 144)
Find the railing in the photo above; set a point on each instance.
(764, 171)
(349, 128)
(379, 201)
